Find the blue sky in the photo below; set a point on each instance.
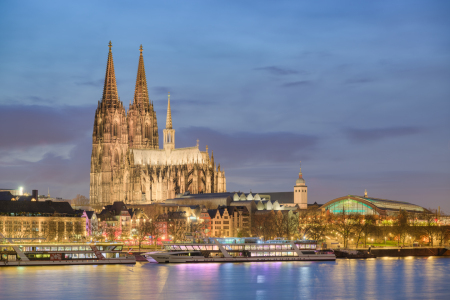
(358, 91)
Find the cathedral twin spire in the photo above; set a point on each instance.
(141, 98)
(110, 95)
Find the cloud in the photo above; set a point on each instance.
(297, 83)
(180, 105)
(66, 175)
(376, 134)
(39, 100)
(274, 70)
(249, 148)
(33, 153)
(357, 80)
(94, 83)
(34, 125)
(45, 147)
(161, 90)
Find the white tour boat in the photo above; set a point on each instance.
(53, 254)
(241, 250)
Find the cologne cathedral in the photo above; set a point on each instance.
(127, 164)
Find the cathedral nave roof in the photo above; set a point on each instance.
(179, 156)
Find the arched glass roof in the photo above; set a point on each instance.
(368, 206)
(396, 205)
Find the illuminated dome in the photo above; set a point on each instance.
(300, 181)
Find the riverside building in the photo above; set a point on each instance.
(53, 221)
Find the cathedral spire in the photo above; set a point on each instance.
(169, 132)
(140, 91)
(110, 94)
(169, 116)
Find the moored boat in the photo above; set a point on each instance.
(42, 254)
(241, 250)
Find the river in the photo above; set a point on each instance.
(383, 278)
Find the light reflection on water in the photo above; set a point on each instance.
(412, 278)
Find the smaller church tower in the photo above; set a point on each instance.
(301, 191)
(169, 132)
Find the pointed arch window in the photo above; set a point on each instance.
(147, 131)
(115, 129)
(116, 158)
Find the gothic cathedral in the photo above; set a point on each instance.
(127, 164)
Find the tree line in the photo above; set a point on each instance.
(359, 230)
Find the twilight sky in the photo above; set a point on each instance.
(359, 91)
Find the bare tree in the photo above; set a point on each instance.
(79, 231)
(257, 226)
(263, 225)
(312, 224)
(197, 229)
(401, 226)
(429, 227)
(243, 232)
(364, 225)
(442, 234)
(80, 200)
(152, 213)
(290, 224)
(177, 228)
(110, 230)
(344, 224)
(318, 227)
(304, 219)
(142, 230)
(98, 233)
(277, 223)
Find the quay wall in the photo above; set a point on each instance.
(410, 252)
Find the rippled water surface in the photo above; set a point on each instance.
(414, 278)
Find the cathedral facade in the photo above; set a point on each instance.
(126, 162)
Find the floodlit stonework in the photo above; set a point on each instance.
(301, 192)
(127, 164)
